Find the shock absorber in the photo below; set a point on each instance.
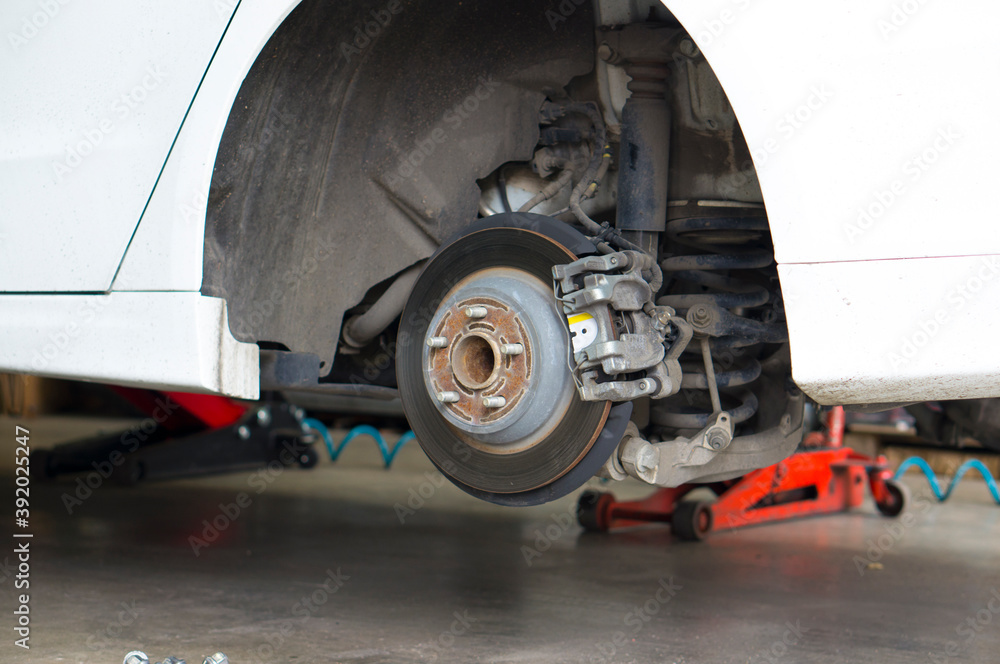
(644, 157)
(644, 154)
(720, 275)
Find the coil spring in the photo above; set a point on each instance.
(720, 260)
(361, 430)
(972, 464)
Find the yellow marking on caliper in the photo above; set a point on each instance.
(582, 330)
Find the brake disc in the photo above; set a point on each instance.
(482, 365)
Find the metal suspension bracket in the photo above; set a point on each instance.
(623, 345)
(658, 463)
(655, 463)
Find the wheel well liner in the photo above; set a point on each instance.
(354, 146)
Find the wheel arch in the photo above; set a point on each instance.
(360, 127)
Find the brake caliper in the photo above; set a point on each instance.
(623, 345)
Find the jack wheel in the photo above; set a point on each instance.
(898, 497)
(692, 520)
(591, 510)
(307, 457)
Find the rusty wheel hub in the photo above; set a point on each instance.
(480, 364)
(483, 367)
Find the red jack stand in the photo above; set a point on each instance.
(824, 477)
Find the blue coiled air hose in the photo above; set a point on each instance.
(360, 430)
(972, 464)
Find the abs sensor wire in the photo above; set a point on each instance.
(942, 495)
(360, 430)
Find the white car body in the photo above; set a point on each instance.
(873, 161)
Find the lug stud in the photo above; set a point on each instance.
(511, 349)
(476, 312)
(437, 342)
(494, 402)
(447, 397)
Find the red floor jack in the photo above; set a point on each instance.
(823, 477)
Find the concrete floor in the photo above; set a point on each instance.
(317, 567)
